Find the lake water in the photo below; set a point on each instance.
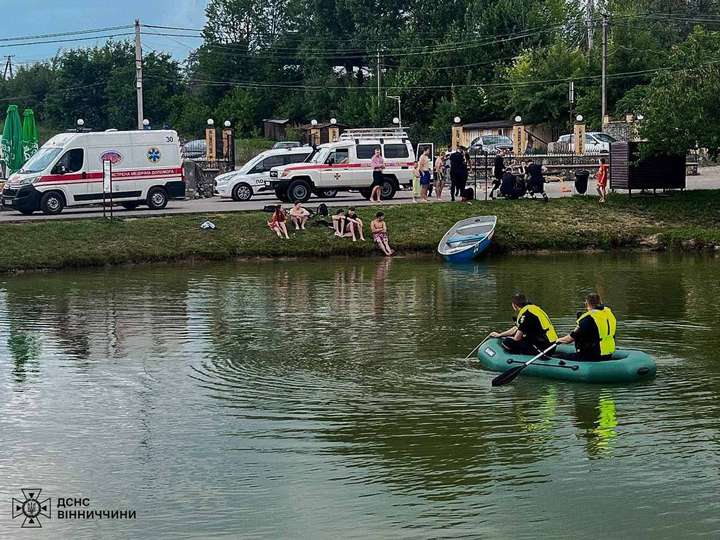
(331, 399)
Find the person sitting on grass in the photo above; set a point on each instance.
(378, 227)
(277, 222)
(355, 223)
(299, 215)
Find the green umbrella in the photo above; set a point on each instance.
(30, 137)
(12, 140)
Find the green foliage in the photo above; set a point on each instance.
(682, 106)
(477, 59)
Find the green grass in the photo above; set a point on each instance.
(688, 221)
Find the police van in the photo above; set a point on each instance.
(68, 171)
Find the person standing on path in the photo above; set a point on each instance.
(498, 171)
(439, 176)
(458, 172)
(602, 180)
(424, 170)
(378, 165)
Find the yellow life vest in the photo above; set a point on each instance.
(545, 323)
(606, 325)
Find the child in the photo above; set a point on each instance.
(379, 232)
(416, 182)
(339, 223)
(355, 223)
(602, 178)
(277, 222)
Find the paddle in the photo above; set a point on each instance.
(508, 376)
(478, 346)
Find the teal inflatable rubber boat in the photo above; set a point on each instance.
(626, 365)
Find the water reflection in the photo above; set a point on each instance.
(341, 387)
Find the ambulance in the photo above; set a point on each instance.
(68, 171)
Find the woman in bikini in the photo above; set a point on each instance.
(277, 222)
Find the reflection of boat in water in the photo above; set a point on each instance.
(626, 365)
(467, 238)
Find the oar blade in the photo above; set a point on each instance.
(507, 376)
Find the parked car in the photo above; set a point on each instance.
(490, 144)
(345, 165)
(68, 171)
(242, 184)
(596, 142)
(196, 149)
(286, 144)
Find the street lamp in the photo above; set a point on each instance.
(313, 122)
(211, 122)
(227, 123)
(518, 119)
(456, 119)
(396, 121)
(579, 118)
(80, 123)
(399, 102)
(333, 121)
(146, 123)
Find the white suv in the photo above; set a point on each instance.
(345, 165)
(253, 176)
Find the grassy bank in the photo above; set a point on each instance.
(685, 221)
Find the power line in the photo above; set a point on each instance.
(63, 34)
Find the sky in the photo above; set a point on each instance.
(35, 17)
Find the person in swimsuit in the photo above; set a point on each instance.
(353, 221)
(277, 222)
(379, 232)
(299, 215)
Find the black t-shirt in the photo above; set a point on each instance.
(457, 163)
(530, 326)
(507, 186)
(534, 171)
(587, 338)
(499, 167)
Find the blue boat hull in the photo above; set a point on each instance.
(470, 253)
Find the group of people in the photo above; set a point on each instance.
(518, 180)
(449, 165)
(533, 332)
(345, 224)
(299, 216)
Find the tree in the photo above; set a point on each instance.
(681, 107)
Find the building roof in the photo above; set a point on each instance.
(491, 124)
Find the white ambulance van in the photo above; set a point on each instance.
(68, 171)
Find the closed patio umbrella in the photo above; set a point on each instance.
(30, 137)
(12, 140)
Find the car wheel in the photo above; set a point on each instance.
(130, 205)
(365, 192)
(326, 193)
(298, 191)
(157, 198)
(387, 189)
(242, 192)
(52, 203)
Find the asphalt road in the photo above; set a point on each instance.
(709, 179)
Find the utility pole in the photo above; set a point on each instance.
(378, 77)
(590, 24)
(139, 75)
(604, 67)
(8, 67)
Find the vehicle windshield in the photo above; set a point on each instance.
(604, 137)
(318, 156)
(41, 160)
(497, 139)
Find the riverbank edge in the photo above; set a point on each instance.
(684, 222)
